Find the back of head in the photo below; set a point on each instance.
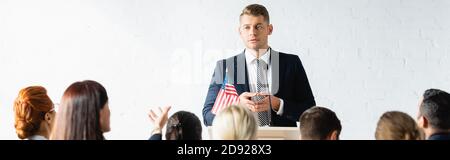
(30, 108)
(435, 107)
(317, 123)
(396, 125)
(184, 126)
(235, 123)
(79, 113)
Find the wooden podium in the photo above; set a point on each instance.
(278, 133)
(273, 133)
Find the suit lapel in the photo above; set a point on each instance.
(276, 69)
(240, 70)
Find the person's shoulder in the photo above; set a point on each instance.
(232, 58)
(157, 136)
(288, 56)
(229, 60)
(236, 56)
(36, 137)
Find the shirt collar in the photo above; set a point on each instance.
(250, 58)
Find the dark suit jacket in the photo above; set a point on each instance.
(293, 86)
(157, 136)
(440, 136)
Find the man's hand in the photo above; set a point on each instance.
(245, 100)
(159, 120)
(264, 105)
(261, 106)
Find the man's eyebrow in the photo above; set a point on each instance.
(251, 24)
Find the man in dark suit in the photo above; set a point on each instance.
(434, 114)
(269, 83)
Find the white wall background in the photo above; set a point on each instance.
(363, 57)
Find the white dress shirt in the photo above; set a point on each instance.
(252, 71)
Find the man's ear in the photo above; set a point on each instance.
(239, 30)
(333, 135)
(423, 122)
(270, 29)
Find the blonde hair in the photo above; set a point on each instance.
(395, 125)
(235, 123)
(30, 108)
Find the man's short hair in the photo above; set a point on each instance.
(318, 123)
(256, 10)
(435, 107)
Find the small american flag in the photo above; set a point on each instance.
(227, 96)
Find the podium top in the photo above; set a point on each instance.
(278, 133)
(273, 133)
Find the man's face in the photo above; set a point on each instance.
(255, 31)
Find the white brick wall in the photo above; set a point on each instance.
(363, 57)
